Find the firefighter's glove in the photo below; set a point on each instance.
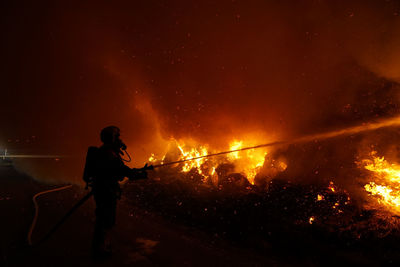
(148, 168)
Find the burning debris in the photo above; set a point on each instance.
(385, 185)
(301, 192)
(232, 166)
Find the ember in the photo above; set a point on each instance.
(331, 186)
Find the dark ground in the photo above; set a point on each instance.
(140, 238)
(177, 223)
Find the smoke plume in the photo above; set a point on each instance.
(205, 70)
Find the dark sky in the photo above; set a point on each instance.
(207, 70)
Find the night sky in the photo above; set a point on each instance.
(207, 70)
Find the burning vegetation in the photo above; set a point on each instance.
(384, 186)
(248, 163)
(294, 195)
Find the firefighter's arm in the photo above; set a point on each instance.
(141, 173)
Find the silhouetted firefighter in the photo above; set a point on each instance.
(103, 170)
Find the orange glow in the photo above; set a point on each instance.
(331, 186)
(192, 153)
(234, 146)
(152, 158)
(248, 162)
(385, 187)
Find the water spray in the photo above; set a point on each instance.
(392, 122)
(304, 139)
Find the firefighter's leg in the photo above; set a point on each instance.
(105, 220)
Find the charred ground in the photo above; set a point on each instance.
(313, 213)
(316, 209)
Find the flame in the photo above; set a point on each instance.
(320, 197)
(152, 158)
(248, 162)
(386, 185)
(381, 167)
(213, 171)
(193, 153)
(235, 145)
(311, 219)
(332, 186)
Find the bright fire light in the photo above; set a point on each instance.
(386, 185)
(248, 162)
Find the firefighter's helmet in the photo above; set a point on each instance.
(109, 135)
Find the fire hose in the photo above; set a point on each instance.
(88, 195)
(347, 131)
(37, 209)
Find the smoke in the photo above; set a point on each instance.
(209, 71)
